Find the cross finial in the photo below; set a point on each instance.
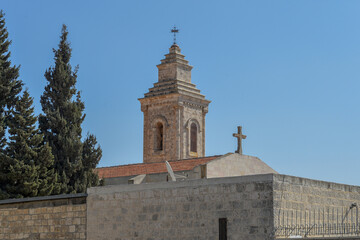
(174, 30)
(240, 137)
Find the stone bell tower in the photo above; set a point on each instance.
(174, 113)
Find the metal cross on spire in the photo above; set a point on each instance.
(174, 31)
(240, 137)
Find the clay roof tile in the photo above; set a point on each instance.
(151, 168)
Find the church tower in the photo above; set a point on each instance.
(174, 113)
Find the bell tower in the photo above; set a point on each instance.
(174, 112)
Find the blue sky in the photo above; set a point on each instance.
(287, 71)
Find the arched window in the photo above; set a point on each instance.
(193, 138)
(159, 137)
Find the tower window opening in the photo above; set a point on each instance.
(159, 137)
(193, 138)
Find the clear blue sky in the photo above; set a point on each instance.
(288, 71)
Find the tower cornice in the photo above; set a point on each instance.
(174, 99)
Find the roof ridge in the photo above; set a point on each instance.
(133, 164)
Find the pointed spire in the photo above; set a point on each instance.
(173, 62)
(174, 76)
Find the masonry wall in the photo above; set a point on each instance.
(300, 201)
(55, 217)
(176, 113)
(161, 109)
(182, 210)
(192, 113)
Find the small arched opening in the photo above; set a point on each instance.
(159, 137)
(193, 137)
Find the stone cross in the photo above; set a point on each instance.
(240, 137)
(175, 31)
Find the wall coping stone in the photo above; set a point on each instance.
(188, 183)
(324, 238)
(294, 180)
(44, 198)
(270, 177)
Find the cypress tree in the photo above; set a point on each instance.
(62, 119)
(31, 171)
(22, 172)
(10, 87)
(91, 156)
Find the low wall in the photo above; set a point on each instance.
(53, 217)
(256, 207)
(182, 210)
(308, 195)
(309, 207)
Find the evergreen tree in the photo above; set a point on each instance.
(91, 156)
(10, 87)
(31, 171)
(62, 119)
(48, 178)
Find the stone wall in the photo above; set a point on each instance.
(254, 207)
(160, 110)
(54, 217)
(300, 201)
(182, 210)
(192, 112)
(176, 113)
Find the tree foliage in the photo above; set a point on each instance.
(61, 123)
(10, 87)
(32, 173)
(51, 159)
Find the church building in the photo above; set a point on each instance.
(174, 131)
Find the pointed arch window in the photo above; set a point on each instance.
(193, 137)
(159, 137)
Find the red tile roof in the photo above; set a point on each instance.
(149, 168)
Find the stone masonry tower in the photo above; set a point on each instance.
(174, 113)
